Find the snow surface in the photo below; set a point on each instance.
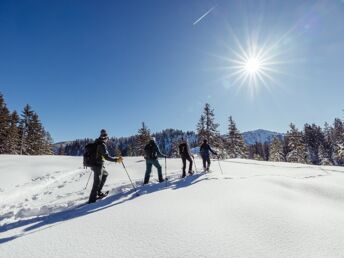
(253, 209)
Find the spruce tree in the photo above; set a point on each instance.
(313, 137)
(14, 135)
(4, 126)
(338, 141)
(142, 139)
(235, 145)
(276, 151)
(207, 129)
(297, 149)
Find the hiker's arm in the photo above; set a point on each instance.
(159, 152)
(105, 154)
(212, 151)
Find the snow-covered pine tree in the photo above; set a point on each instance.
(235, 145)
(324, 157)
(4, 126)
(201, 133)
(297, 149)
(26, 117)
(142, 138)
(207, 129)
(338, 141)
(14, 135)
(313, 137)
(34, 139)
(276, 151)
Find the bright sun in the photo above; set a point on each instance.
(253, 65)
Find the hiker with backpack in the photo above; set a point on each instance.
(185, 154)
(205, 150)
(95, 155)
(151, 154)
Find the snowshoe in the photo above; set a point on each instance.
(102, 195)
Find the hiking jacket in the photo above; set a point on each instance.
(205, 149)
(102, 153)
(152, 151)
(184, 150)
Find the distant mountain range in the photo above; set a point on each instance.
(261, 136)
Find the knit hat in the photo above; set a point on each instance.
(103, 134)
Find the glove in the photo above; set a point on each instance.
(119, 159)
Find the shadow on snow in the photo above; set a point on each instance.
(46, 221)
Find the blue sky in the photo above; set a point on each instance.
(86, 65)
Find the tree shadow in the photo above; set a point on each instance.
(35, 224)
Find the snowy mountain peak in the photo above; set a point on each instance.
(261, 136)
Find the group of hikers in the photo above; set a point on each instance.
(151, 155)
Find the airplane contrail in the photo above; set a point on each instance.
(204, 15)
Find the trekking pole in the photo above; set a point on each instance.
(88, 179)
(194, 163)
(165, 171)
(218, 160)
(125, 169)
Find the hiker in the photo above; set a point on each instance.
(185, 154)
(100, 174)
(204, 151)
(151, 155)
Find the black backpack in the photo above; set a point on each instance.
(90, 155)
(149, 151)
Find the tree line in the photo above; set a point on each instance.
(25, 134)
(22, 134)
(312, 145)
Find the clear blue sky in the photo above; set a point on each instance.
(86, 65)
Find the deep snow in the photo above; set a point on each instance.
(253, 209)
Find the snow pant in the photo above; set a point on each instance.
(206, 162)
(149, 164)
(99, 178)
(184, 159)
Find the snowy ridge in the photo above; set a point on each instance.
(260, 136)
(252, 209)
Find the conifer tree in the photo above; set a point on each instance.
(276, 151)
(4, 126)
(142, 139)
(14, 135)
(207, 129)
(313, 137)
(338, 141)
(235, 145)
(296, 147)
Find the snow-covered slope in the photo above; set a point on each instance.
(253, 209)
(261, 136)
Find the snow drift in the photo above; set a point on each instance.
(253, 209)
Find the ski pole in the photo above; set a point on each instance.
(194, 163)
(88, 179)
(125, 169)
(165, 171)
(218, 160)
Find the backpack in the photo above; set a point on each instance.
(149, 151)
(90, 155)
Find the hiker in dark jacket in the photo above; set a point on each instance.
(100, 174)
(152, 153)
(185, 154)
(205, 154)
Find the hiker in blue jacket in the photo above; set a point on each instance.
(152, 153)
(205, 150)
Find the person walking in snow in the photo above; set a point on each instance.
(185, 154)
(100, 174)
(151, 155)
(205, 150)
